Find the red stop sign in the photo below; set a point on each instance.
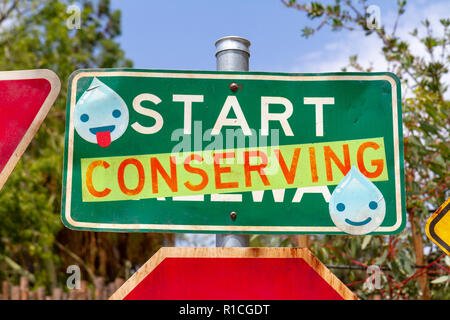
(233, 274)
(25, 99)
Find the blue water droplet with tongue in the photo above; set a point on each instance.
(100, 116)
(357, 206)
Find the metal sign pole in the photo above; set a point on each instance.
(232, 54)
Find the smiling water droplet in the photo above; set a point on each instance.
(357, 206)
(100, 116)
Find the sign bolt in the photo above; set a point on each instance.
(234, 86)
(233, 215)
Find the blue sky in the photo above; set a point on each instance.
(180, 34)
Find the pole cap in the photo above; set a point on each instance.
(232, 43)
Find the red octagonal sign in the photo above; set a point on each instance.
(25, 99)
(233, 274)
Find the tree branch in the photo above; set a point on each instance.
(17, 268)
(77, 259)
(5, 15)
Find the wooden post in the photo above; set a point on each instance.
(5, 290)
(15, 293)
(83, 290)
(57, 294)
(418, 251)
(40, 293)
(72, 294)
(23, 288)
(89, 294)
(99, 284)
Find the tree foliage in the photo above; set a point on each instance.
(426, 119)
(33, 242)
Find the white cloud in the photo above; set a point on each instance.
(335, 54)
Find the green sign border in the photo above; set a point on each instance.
(397, 134)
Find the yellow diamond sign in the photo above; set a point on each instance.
(438, 227)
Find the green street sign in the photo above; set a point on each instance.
(233, 152)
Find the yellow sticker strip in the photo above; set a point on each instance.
(231, 170)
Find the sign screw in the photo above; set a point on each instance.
(234, 86)
(233, 215)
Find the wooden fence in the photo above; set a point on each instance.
(97, 291)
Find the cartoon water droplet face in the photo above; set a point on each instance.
(356, 205)
(101, 115)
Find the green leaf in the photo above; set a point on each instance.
(447, 260)
(379, 260)
(366, 241)
(441, 279)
